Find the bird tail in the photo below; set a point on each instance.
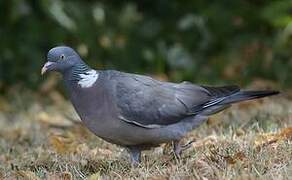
(247, 95)
(225, 96)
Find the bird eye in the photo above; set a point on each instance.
(62, 57)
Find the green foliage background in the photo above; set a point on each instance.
(201, 41)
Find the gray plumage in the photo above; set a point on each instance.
(137, 111)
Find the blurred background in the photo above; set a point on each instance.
(244, 42)
(205, 42)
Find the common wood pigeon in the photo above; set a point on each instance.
(137, 111)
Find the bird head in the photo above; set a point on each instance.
(61, 59)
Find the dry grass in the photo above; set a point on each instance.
(39, 140)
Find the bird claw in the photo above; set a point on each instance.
(178, 149)
(135, 155)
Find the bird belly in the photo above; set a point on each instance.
(124, 134)
(101, 117)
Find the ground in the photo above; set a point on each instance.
(42, 138)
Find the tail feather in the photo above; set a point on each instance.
(221, 103)
(247, 95)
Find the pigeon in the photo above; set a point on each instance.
(136, 111)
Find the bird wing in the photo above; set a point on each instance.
(150, 103)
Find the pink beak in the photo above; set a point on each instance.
(45, 67)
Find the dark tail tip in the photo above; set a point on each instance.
(248, 95)
(274, 92)
(260, 94)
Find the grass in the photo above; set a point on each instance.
(41, 138)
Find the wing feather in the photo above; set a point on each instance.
(150, 103)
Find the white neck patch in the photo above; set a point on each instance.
(88, 79)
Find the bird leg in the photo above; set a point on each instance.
(178, 149)
(135, 155)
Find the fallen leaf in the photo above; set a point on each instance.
(230, 160)
(61, 144)
(66, 175)
(239, 156)
(270, 138)
(286, 133)
(265, 139)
